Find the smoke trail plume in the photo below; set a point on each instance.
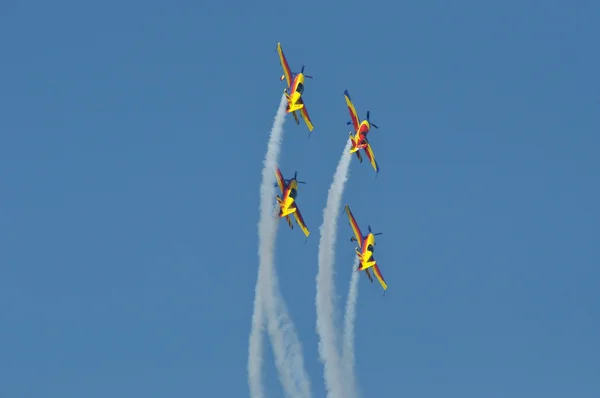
(286, 347)
(328, 350)
(348, 336)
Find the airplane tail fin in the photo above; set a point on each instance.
(288, 211)
(287, 207)
(295, 107)
(354, 147)
(364, 265)
(291, 107)
(295, 101)
(289, 101)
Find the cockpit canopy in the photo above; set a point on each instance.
(293, 193)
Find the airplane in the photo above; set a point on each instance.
(287, 203)
(359, 137)
(293, 92)
(365, 250)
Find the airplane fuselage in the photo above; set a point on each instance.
(289, 196)
(297, 88)
(366, 253)
(358, 141)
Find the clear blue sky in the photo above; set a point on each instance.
(133, 135)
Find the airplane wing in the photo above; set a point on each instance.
(353, 114)
(295, 116)
(379, 276)
(357, 234)
(280, 180)
(305, 116)
(300, 221)
(371, 156)
(369, 275)
(284, 64)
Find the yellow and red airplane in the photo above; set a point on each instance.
(293, 92)
(287, 203)
(359, 137)
(367, 247)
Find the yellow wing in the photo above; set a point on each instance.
(305, 116)
(280, 180)
(352, 110)
(379, 277)
(357, 234)
(300, 221)
(284, 64)
(371, 156)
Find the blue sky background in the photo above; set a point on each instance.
(133, 135)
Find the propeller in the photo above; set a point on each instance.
(287, 180)
(302, 71)
(296, 178)
(378, 233)
(372, 124)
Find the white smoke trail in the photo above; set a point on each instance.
(286, 345)
(328, 350)
(265, 254)
(286, 348)
(348, 337)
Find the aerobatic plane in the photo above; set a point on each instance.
(359, 136)
(287, 202)
(365, 250)
(294, 90)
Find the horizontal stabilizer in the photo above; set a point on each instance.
(366, 265)
(295, 107)
(287, 207)
(289, 211)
